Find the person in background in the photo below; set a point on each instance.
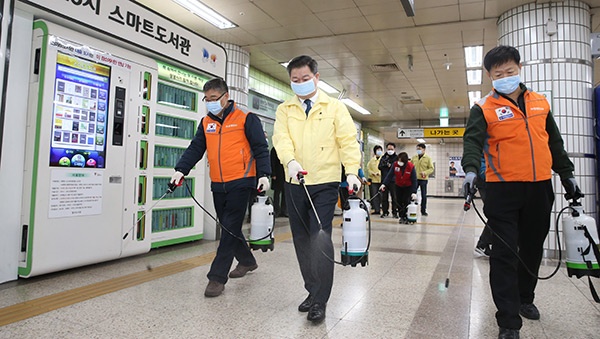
(314, 133)
(404, 177)
(277, 182)
(374, 175)
(515, 130)
(237, 154)
(424, 166)
(385, 164)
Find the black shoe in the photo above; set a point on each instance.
(483, 251)
(424, 214)
(508, 333)
(383, 215)
(306, 304)
(395, 215)
(529, 311)
(375, 213)
(317, 312)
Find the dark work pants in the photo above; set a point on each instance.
(279, 201)
(403, 199)
(423, 185)
(376, 202)
(385, 204)
(231, 209)
(314, 249)
(519, 213)
(485, 239)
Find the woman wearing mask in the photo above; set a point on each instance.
(405, 181)
(375, 178)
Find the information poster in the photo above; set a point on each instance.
(75, 193)
(455, 167)
(79, 112)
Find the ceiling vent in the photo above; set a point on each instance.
(410, 100)
(384, 68)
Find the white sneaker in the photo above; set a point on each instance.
(481, 252)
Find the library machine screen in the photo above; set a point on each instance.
(80, 112)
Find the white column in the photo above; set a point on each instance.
(560, 65)
(238, 69)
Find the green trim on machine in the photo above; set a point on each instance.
(34, 173)
(261, 242)
(176, 241)
(581, 266)
(354, 254)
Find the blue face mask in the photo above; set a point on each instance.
(507, 85)
(214, 107)
(304, 88)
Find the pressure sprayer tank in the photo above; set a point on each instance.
(261, 225)
(411, 212)
(354, 234)
(581, 260)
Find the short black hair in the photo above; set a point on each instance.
(421, 145)
(216, 84)
(301, 61)
(390, 144)
(376, 148)
(403, 156)
(500, 55)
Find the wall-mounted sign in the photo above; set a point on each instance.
(444, 132)
(408, 133)
(136, 24)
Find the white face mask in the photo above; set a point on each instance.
(400, 163)
(391, 152)
(419, 152)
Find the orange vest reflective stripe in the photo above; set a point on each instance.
(227, 148)
(517, 145)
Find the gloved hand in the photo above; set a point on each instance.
(293, 168)
(382, 188)
(263, 184)
(353, 182)
(413, 196)
(572, 189)
(176, 178)
(469, 183)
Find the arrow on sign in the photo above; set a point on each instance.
(402, 133)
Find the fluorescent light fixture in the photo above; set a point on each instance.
(421, 140)
(327, 87)
(444, 112)
(473, 56)
(474, 96)
(206, 13)
(284, 64)
(474, 77)
(355, 106)
(409, 7)
(444, 122)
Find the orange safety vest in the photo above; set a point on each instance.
(517, 145)
(227, 148)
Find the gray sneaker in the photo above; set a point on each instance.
(214, 289)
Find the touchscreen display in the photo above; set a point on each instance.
(80, 111)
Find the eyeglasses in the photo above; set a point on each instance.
(205, 99)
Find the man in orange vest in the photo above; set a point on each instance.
(514, 129)
(237, 153)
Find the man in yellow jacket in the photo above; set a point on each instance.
(316, 134)
(424, 167)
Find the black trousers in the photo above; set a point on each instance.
(279, 201)
(485, 239)
(403, 199)
(423, 185)
(519, 213)
(376, 202)
(385, 204)
(314, 249)
(231, 209)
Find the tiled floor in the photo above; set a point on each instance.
(399, 294)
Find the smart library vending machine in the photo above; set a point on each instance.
(105, 128)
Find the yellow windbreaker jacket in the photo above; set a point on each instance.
(321, 142)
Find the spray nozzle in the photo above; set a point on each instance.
(173, 186)
(300, 176)
(469, 197)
